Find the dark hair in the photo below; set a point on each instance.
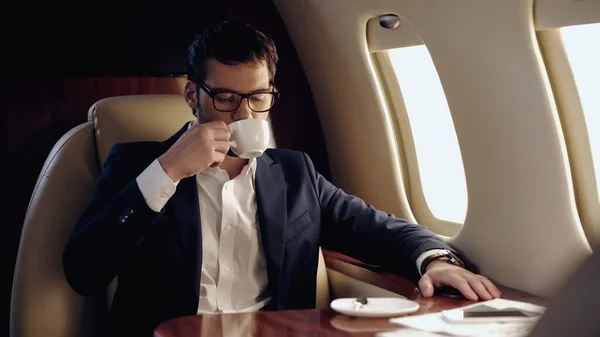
(230, 43)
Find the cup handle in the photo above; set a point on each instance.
(230, 153)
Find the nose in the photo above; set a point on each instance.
(243, 111)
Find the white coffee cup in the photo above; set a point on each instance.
(249, 137)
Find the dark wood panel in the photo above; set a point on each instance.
(31, 105)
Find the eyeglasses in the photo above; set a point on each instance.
(227, 101)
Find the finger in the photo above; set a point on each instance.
(218, 158)
(479, 288)
(222, 146)
(221, 134)
(218, 125)
(426, 285)
(490, 287)
(458, 282)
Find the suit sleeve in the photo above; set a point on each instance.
(111, 228)
(356, 229)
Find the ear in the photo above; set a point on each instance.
(189, 93)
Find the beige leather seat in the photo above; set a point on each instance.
(42, 302)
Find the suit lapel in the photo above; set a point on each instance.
(272, 216)
(186, 212)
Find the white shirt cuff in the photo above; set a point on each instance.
(156, 186)
(425, 255)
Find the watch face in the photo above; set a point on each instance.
(451, 258)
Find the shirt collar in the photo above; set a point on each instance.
(249, 170)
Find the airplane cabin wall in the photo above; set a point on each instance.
(522, 227)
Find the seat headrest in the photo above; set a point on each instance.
(137, 118)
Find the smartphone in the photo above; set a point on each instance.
(486, 314)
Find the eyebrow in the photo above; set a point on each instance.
(237, 92)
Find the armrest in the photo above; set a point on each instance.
(375, 275)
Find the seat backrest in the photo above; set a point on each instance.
(136, 118)
(42, 302)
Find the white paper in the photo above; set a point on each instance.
(406, 333)
(436, 324)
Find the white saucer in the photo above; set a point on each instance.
(376, 307)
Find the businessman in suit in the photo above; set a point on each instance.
(189, 228)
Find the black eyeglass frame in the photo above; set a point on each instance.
(213, 93)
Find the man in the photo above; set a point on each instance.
(189, 228)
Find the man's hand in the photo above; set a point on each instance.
(201, 146)
(472, 286)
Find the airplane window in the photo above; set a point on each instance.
(438, 154)
(583, 52)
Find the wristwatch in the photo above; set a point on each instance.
(445, 255)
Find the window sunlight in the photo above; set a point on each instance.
(438, 154)
(583, 50)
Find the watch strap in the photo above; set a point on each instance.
(444, 254)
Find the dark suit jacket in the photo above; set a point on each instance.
(157, 256)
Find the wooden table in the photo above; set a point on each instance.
(322, 323)
(309, 323)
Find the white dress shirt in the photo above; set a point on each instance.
(233, 276)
